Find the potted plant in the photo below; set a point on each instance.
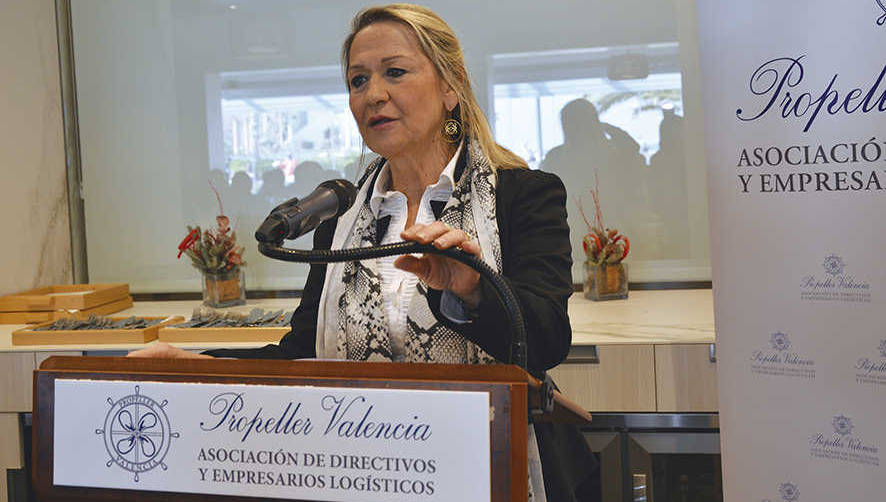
(606, 276)
(216, 255)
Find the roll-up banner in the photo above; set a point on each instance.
(795, 128)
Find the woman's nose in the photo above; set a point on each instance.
(378, 90)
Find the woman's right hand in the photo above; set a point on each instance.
(162, 350)
(440, 272)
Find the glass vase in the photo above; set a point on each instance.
(225, 289)
(607, 281)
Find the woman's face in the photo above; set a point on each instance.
(396, 96)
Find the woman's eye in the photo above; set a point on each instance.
(394, 72)
(357, 81)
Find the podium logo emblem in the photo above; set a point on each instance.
(136, 433)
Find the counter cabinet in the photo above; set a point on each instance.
(649, 354)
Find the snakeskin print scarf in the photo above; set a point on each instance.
(351, 321)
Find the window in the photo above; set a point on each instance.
(248, 97)
(608, 117)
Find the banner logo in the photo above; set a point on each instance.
(882, 19)
(777, 83)
(789, 493)
(870, 370)
(835, 285)
(136, 433)
(780, 341)
(842, 425)
(833, 265)
(778, 360)
(843, 445)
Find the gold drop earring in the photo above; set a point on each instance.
(452, 129)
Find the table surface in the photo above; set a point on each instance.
(645, 317)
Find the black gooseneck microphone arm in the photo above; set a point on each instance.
(504, 293)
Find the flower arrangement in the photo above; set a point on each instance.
(602, 245)
(605, 249)
(213, 251)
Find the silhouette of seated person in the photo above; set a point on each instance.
(241, 198)
(308, 175)
(667, 187)
(219, 179)
(207, 206)
(331, 174)
(272, 188)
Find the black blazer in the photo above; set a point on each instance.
(537, 262)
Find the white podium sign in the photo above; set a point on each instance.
(312, 443)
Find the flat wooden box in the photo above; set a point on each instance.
(64, 297)
(27, 336)
(220, 334)
(44, 316)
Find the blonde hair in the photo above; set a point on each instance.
(439, 44)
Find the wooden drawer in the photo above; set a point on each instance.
(604, 378)
(10, 449)
(11, 445)
(16, 381)
(686, 378)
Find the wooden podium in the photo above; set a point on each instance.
(512, 395)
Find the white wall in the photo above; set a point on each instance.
(168, 121)
(35, 245)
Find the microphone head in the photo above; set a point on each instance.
(295, 217)
(272, 230)
(345, 191)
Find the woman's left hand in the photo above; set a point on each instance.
(162, 350)
(440, 272)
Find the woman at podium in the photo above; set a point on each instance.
(440, 179)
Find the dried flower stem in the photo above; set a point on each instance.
(601, 244)
(221, 210)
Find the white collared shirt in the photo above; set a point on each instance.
(397, 285)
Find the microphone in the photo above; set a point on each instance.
(332, 198)
(295, 217)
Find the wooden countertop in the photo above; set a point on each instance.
(646, 317)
